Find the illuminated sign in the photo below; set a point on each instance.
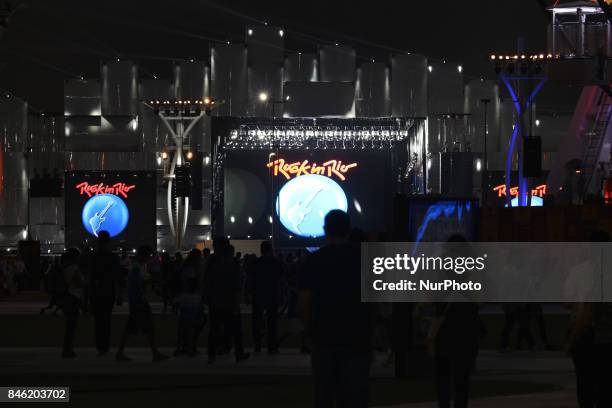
(539, 191)
(329, 168)
(121, 189)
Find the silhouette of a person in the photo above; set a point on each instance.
(266, 275)
(104, 281)
(330, 305)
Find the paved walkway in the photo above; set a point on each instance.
(552, 369)
(562, 399)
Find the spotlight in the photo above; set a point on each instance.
(189, 155)
(164, 155)
(250, 31)
(430, 68)
(263, 96)
(281, 33)
(460, 68)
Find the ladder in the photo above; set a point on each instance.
(595, 138)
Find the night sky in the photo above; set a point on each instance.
(49, 40)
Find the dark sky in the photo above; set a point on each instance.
(49, 40)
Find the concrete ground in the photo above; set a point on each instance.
(541, 380)
(30, 355)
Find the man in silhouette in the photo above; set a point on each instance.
(222, 293)
(104, 279)
(330, 304)
(266, 275)
(140, 319)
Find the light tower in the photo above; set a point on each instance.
(180, 117)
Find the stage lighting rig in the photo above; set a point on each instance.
(182, 107)
(308, 134)
(521, 65)
(180, 116)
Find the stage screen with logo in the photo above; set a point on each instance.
(289, 194)
(119, 202)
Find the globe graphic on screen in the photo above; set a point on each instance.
(105, 212)
(303, 202)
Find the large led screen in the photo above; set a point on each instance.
(119, 202)
(288, 194)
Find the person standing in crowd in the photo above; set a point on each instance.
(266, 274)
(222, 292)
(141, 317)
(455, 352)
(191, 268)
(104, 275)
(590, 346)
(455, 342)
(191, 318)
(71, 297)
(537, 313)
(296, 326)
(513, 313)
(21, 274)
(166, 279)
(178, 261)
(330, 304)
(53, 283)
(204, 264)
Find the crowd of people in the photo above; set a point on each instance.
(323, 291)
(203, 287)
(13, 275)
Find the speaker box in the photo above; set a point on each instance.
(46, 187)
(197, 162)
(182, 181)
(532, 156)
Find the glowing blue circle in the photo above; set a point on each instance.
(535, 202)
(105, 212)
(304, 201)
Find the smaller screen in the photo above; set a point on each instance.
(121, 203)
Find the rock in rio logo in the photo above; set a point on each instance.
(121, 189)
(329, 168)
(105, 210)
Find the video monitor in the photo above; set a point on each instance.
(289, 193)
(119, 202)
(436, 219)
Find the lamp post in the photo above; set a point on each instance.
(485, 173)
(265, 98)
